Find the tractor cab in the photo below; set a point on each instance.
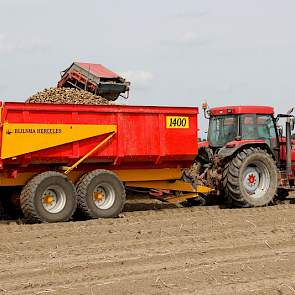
(241, 124)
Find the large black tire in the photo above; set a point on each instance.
(250, 178)
(100, 194)
(48, 197)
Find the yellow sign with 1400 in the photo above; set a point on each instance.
(177, 122)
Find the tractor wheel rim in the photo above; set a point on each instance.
(54, 199)
(256, 179)
(104, 196)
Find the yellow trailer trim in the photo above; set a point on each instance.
(124, 175)
(148, 174)
(19, 139)
(177, 199)
(177, 185)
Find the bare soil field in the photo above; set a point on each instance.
(154, 249)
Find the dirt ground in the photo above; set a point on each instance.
(154, 249)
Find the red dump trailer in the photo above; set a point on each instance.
(64, 158)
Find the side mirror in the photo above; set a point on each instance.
(205, 105)
(280, 130)
(292, 123)
(205, 110)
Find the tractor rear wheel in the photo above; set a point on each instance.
(100, 194)
(48, 197)
(250, 178)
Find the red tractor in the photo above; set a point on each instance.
(247, 158)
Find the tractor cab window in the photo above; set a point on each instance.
(248, 127)
(260, 127)
(222, 129)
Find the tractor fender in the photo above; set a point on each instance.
(233, 147)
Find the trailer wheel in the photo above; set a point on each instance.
(250, 178)
(100, 194)
(48, 197)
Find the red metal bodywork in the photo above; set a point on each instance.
(218, 111)
(203, 144)
(98, 70)
(94, 78)
(283, 152)
(142, 139)
(237, 143)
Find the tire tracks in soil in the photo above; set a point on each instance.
(202, 250)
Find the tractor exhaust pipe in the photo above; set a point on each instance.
(288, 143)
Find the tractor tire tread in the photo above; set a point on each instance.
(230, 176)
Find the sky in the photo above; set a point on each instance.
(175, 53)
